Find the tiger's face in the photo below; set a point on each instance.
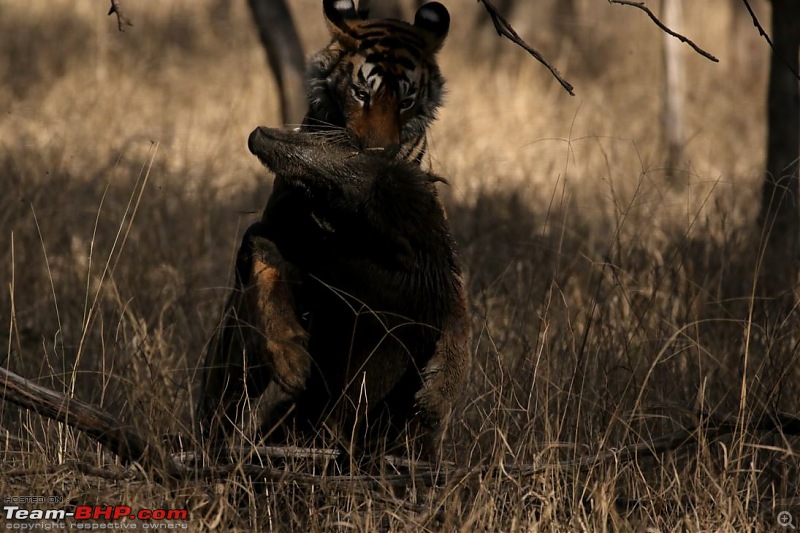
(378, 79)
(382, 97)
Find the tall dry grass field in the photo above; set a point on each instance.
(609, 308)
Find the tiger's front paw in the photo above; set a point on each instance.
(291, 364)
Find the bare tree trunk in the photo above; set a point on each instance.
(673, 91)
(779, 208)
(284, 54)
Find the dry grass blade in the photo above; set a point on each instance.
(130, 447)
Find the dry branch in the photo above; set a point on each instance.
(96, 423)
(504, 29)
(682, 38)
(122, 20)
(712, 427)
(763, 33)
(130, 446)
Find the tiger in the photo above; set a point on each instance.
(378, 80)
(375, 87)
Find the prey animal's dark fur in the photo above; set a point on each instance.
(369, 261)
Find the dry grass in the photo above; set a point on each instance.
(608, 307)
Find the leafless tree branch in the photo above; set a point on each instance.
(763, 33)
(122, 20)
(504, 29)
(96, 423)
(683, 39)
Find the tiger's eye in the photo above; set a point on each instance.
(406, 103)
(361, 95)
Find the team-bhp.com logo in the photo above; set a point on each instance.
(94, 517)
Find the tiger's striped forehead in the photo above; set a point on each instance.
(387, 51)
(382, 73)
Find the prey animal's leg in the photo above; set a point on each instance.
(259, 340)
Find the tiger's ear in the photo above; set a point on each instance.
(435, 20)
(339, 14)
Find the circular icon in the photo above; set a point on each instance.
(785, 519)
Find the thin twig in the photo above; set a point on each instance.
(122, 20)
(263, 452)
(762, 32)
(504, 29)
(681, 38)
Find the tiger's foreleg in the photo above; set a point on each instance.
(443, 379)
(259, 339)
